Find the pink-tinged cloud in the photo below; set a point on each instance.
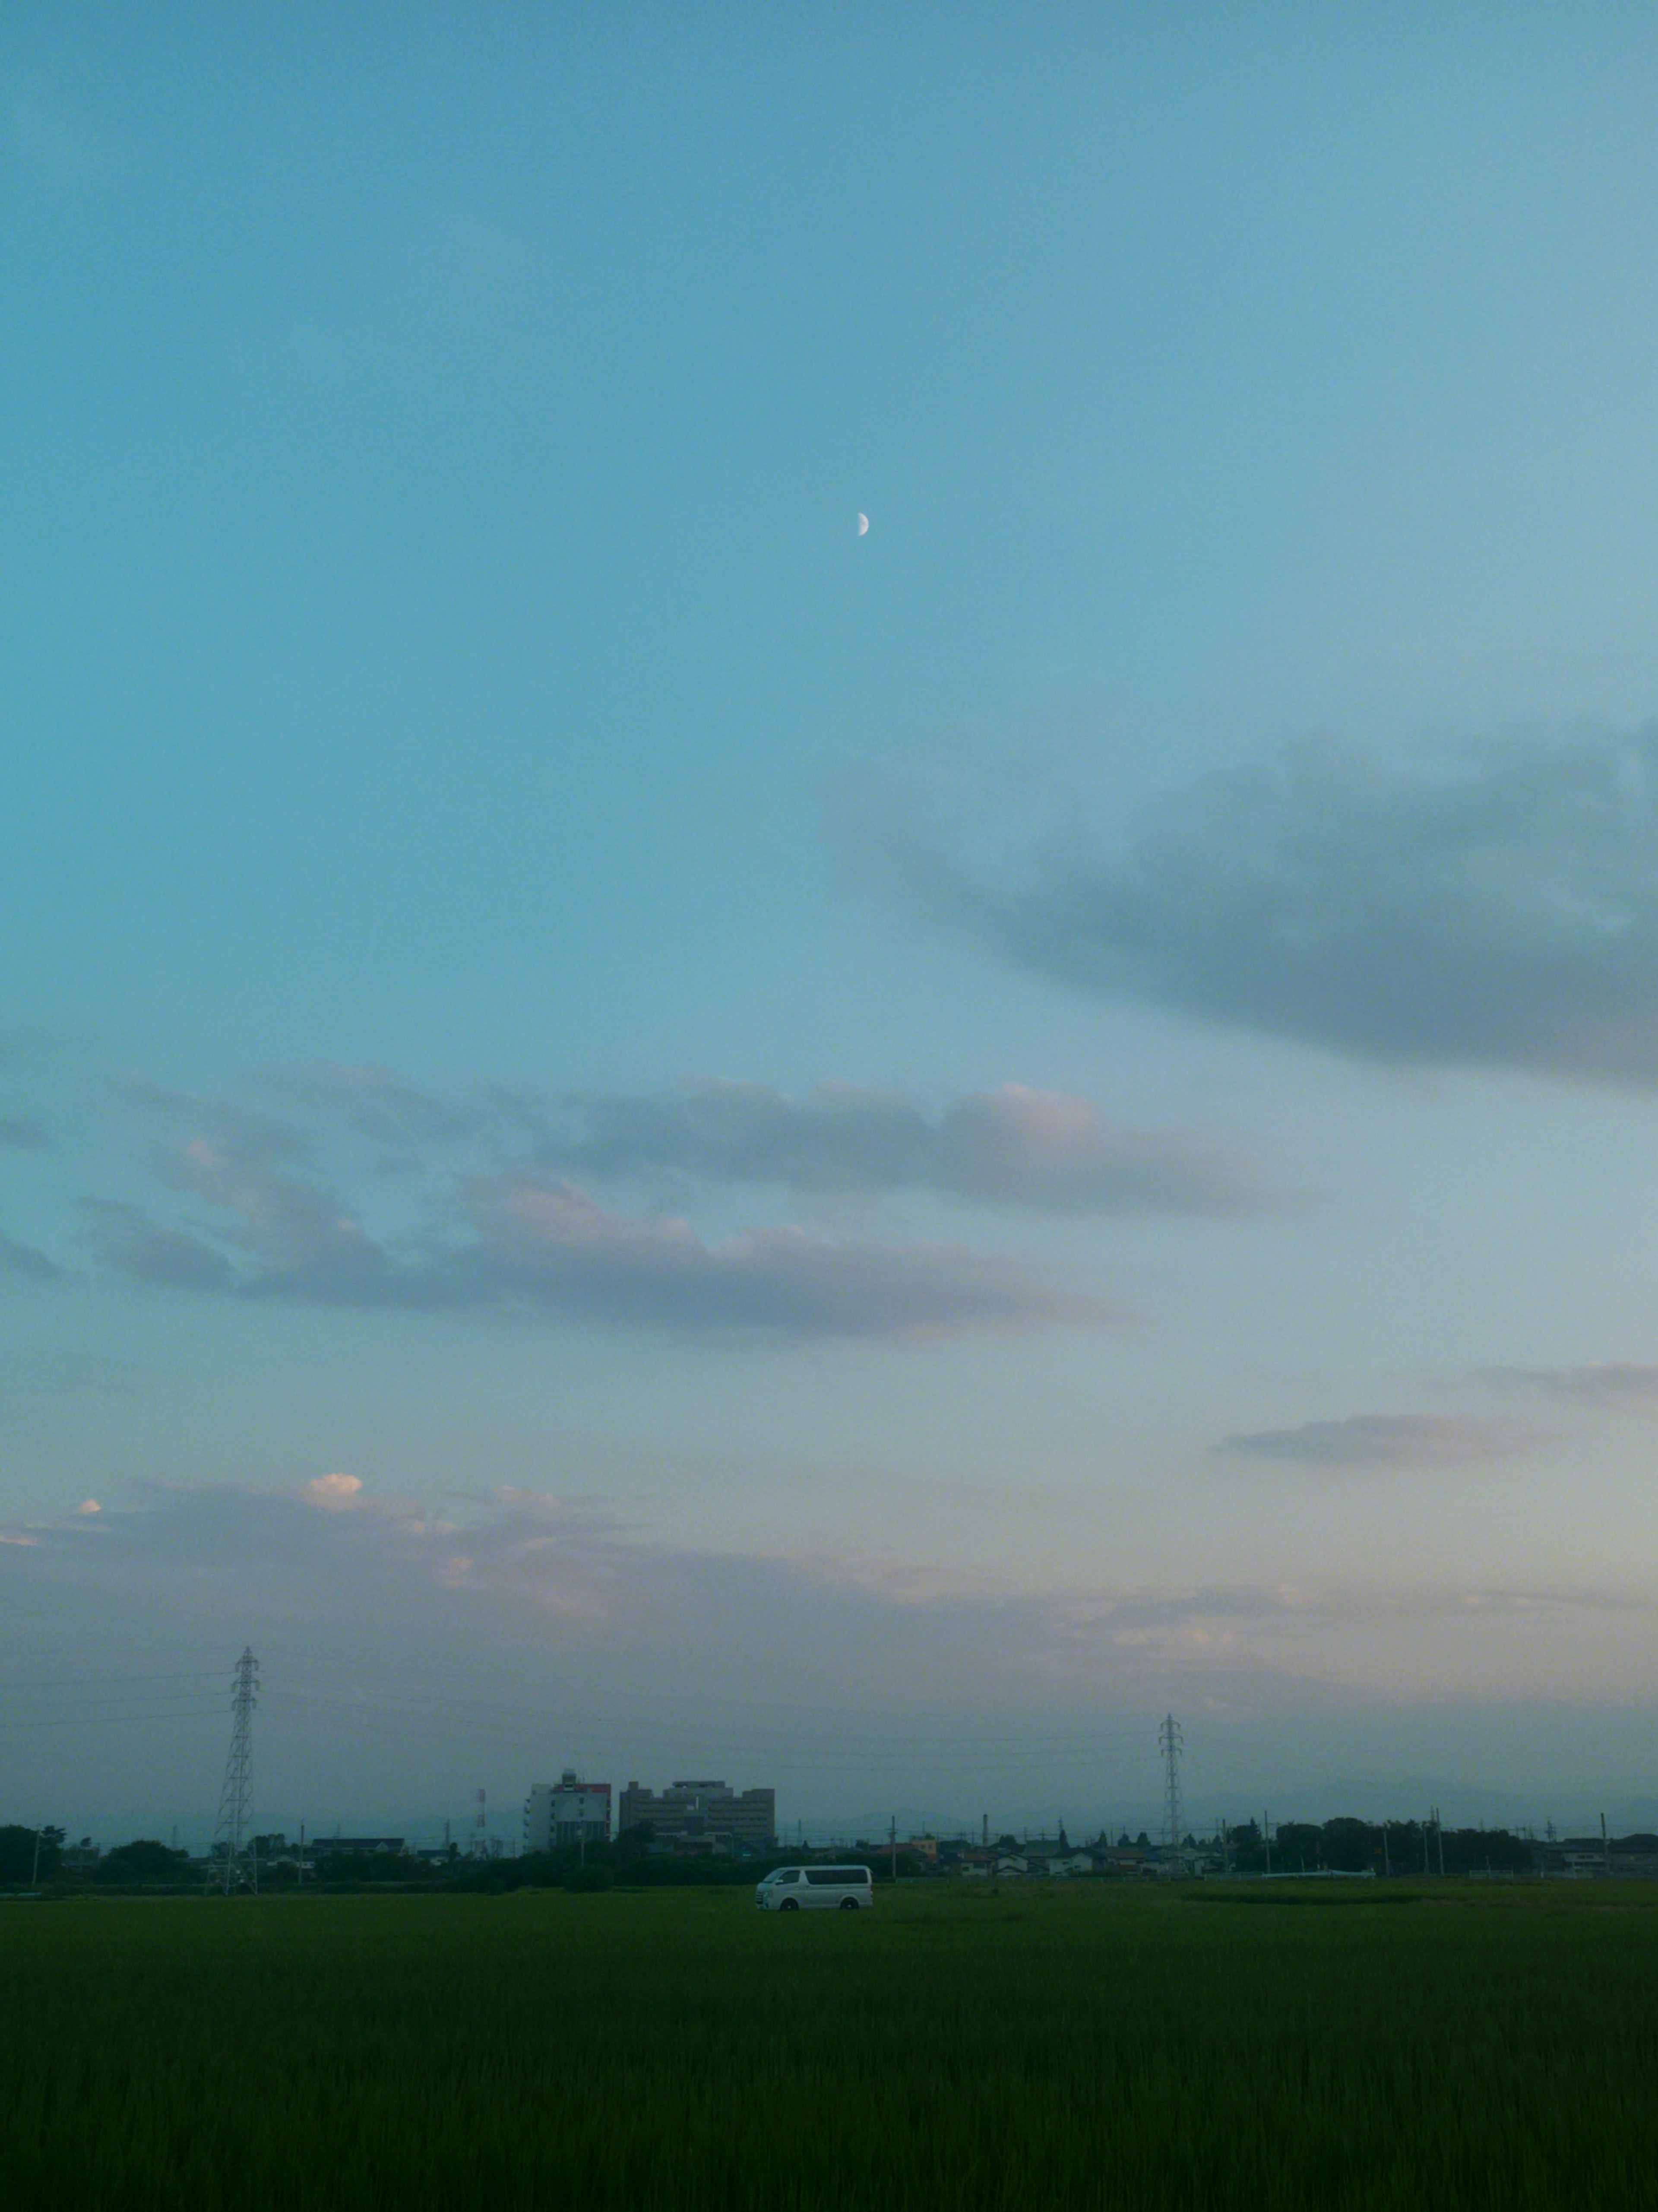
(550, 1242)
(529, 1243)
(1017, 1147)
(333, 1493)
(1390, 1440)
(400, 1652)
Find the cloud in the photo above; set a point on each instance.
(1610, 1384)
(1395, 1440)
(1012, 1148)
(407, 1657)
(547, 1242)
(240, 1135)
(296, 1233)
(23, 1260)
(334, 1492)
(23, 1132)
(1495, 908)
(124, 1238)
(373, 1101)
(527, 1243)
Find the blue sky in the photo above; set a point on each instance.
(1059, 1095)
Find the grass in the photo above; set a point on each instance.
(1097, 2047)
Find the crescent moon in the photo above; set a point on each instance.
(863, 525)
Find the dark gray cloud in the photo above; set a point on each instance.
(23, 1132)
(1497, 908)
(1012, 1148)
(23, 1260)
(526, 1243)
(1398, 1440)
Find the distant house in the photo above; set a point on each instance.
(1126, 1860)
(1063, 1865)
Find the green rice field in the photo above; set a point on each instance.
(1100, 2045)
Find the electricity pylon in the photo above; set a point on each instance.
(1169, 1743)
(225, 1869)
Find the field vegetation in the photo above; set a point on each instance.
(1090, 2044)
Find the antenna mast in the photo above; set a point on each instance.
(225, 1866)
(1171, 1744)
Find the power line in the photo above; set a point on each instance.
(97, 1681)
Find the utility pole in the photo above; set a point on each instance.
(892, 1841)
(1266, 1837)
(481, 1829)
(225, 1869)
(1170, 1743)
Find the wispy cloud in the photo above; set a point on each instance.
(374, 1104)
(549, 1242)
(1390, 1440)
(24, 1259)
(241, 1135)
(528, 1243)
(23, 1132)
(532, 1611)
(1610, 1384)
(1016, 1147)
(1498, 908)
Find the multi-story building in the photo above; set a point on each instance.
(559, 1815)
(705, 1815)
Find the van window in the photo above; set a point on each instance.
(788, 1874)
(837, 1877)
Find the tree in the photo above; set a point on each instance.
(143, 1860)
(18, 1850)
(1350, 1846)
(1296, 1847)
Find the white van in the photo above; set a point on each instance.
(816, 1889)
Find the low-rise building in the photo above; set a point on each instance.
(703, 1816)
(561, 1815)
